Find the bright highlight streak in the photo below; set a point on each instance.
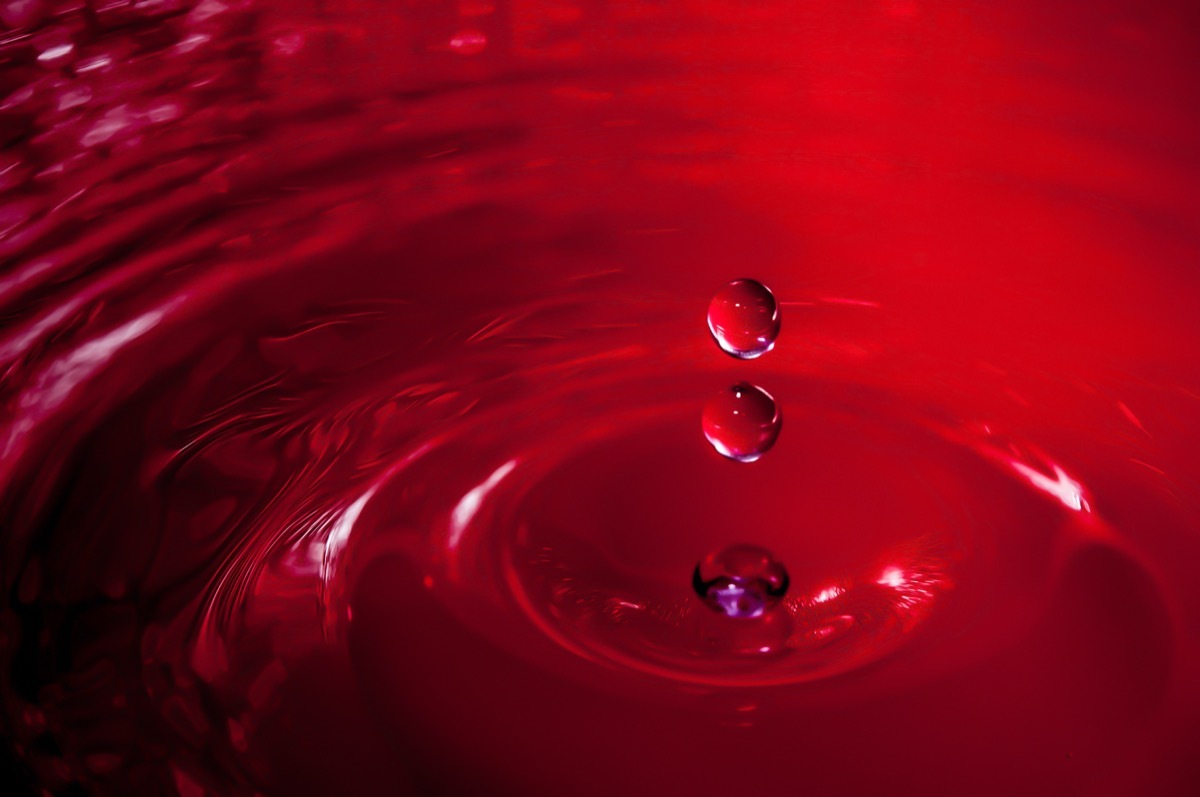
(1062, 487)
(339, 532)
(827, 594)
(892, 577)
(466, 508)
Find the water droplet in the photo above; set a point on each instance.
(468, 42)
(742, 422)
(744, 319)
(740, 581)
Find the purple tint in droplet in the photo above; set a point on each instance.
(735, 598)
(741, 581)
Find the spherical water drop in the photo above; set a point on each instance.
(744, 319)
(742, 422)
(740, 581)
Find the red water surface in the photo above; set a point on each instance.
(354, 358)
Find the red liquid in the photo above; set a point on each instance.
(742, 581)
(742, 422)
(352, 360)
(744, 319)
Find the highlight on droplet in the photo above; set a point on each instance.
(741, 581)
(742, 422)
(743, 318)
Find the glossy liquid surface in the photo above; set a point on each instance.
(353, 353)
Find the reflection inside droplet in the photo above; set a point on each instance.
(740, 581)
(744, 319)
(742, 422)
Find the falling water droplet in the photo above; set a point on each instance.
(742, 422)
(744, 319)
(740, 581)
